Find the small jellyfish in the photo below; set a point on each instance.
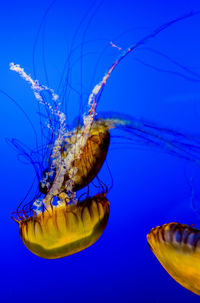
(177, 247)
(64, 229)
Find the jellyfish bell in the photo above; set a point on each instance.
(91, 160)
(177, 247)
(65, 229)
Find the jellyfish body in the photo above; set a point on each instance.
(92, 156)
(65, 229)
(177, 247)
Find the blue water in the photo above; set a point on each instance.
(150, 188)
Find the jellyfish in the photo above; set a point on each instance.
(64, 229)
(91, 160)
(177, 247)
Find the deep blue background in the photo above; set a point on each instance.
(150, 188)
